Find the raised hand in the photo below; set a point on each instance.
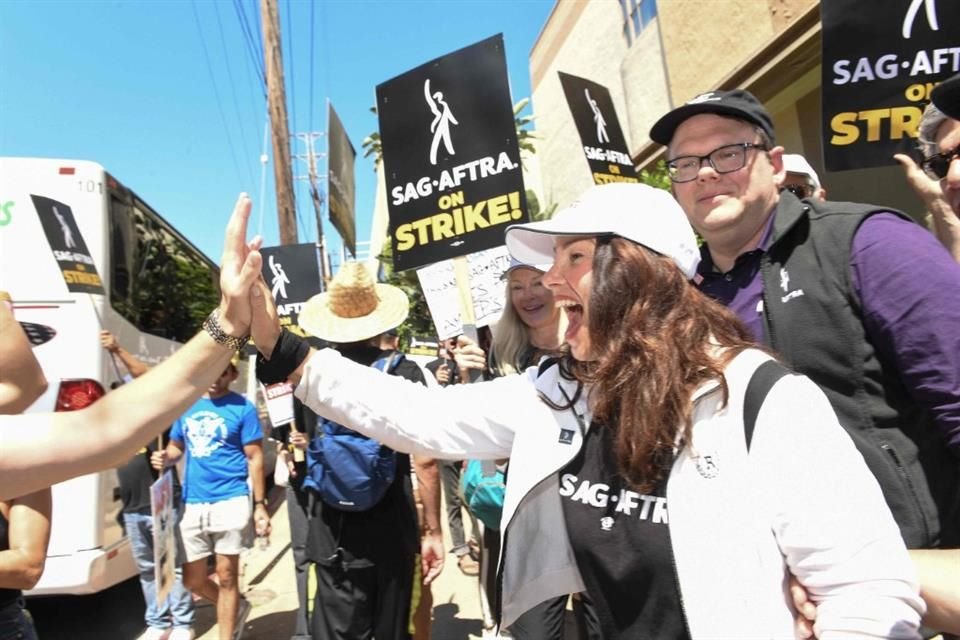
(109, 341)
(443, 374)
(946, 221)
(265, 327)
(926, 188)
(239, 269)
(299, 440)
(158, 460)
(469, 355)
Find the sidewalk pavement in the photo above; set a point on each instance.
(267, 581)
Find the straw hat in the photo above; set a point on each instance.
(354, 307)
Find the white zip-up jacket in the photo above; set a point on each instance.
(801, 502)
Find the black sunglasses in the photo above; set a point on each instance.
(936, 166)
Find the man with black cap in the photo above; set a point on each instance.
(858, 297)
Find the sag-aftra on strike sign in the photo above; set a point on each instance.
(880, 62)
(450, 156)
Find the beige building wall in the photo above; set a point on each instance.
(583, 38)
(706, 43)
(644, 79)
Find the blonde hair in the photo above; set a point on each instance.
(511, 339)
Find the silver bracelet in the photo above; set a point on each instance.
(212, 326)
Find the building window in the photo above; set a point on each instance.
(637, 14)
(625, 12)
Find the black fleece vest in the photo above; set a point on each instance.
(813, 318)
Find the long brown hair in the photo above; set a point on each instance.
(655, 338)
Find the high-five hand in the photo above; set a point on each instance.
(239, 269)
(265, 328)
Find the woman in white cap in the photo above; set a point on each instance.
(529, 330)
(650, 406)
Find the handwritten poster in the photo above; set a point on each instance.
(439, 284)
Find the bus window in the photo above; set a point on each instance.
(159, 282)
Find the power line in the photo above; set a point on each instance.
(259, 25)
(251, 50)
(233, 88)
(313, 24)
(259, 101)
(216, 93)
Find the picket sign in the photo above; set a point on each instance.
(467, 317)
(480, 274)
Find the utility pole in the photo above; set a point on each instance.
(277, 104)
(316, 196)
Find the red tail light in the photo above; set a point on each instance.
(77, 394)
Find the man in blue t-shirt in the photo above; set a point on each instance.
(224, 444)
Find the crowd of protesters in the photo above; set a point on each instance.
(753, 437)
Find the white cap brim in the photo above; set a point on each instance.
(640, 213)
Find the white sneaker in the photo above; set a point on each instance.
(182, 633)
(153, 633)
(243, 610)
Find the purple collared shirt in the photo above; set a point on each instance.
(909, 287)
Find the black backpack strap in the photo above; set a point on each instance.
(762, 380)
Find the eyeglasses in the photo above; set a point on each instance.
(725, 159)
(800, 190)
(936, 166)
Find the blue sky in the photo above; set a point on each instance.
(164, 93)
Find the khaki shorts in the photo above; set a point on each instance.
(224, 527)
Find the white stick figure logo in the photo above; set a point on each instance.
(279, 281)
(65, 228)
(784, 280)
(598, 118)
(442, 118)
(930, 8)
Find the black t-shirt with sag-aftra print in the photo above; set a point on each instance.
(621, 541)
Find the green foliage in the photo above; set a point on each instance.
(525, 137)
(533, 206)
(656, 176)
(418, 322)
(372, 146)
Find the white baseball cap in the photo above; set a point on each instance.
(637, 212)
(516, 264)
(796, 163)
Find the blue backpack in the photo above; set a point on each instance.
(348, 470)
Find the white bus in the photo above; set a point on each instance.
(157, 288)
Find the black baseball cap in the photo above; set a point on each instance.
(946, 97)
(737, 103)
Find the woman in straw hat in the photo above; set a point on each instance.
(365, 559)
(649, 406)
(40, 449)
